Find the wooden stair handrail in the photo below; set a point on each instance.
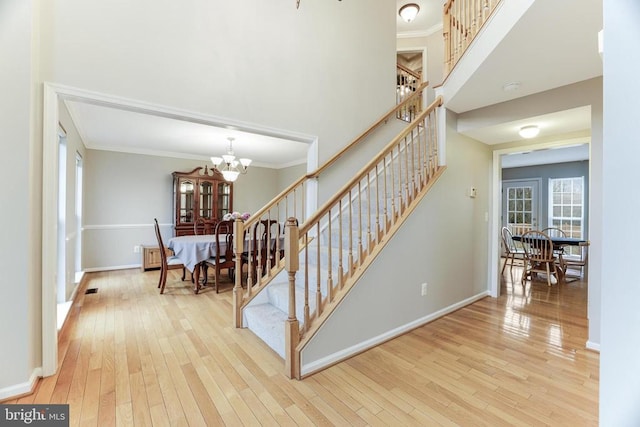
(295, 193)
(391, 113)
(409, 163)
(365, 169)
(409, 71)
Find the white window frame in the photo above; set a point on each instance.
(551, 217)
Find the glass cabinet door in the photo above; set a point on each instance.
(206, 199)
(186, 200)
(224, 199)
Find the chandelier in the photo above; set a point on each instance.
(228, 166)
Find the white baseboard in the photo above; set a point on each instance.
(22, 388)
(317, 365)
(594, 346)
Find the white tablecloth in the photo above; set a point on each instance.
(192, 250)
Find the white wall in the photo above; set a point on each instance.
(620, 347)
(427, 248)
(19, 317)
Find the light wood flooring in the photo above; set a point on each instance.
(130, 356)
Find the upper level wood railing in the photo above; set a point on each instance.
(407, 83)
(461, 22)
(342, 238)
(291, 202)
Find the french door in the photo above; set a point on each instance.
(520, 205)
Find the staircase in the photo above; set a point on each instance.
(327, 251)
(320, 261)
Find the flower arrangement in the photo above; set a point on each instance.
(236, 215)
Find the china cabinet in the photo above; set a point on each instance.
(201, 193)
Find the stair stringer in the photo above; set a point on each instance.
(308, 367)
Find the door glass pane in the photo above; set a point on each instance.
(519, 208)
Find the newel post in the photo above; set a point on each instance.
(292, 329)
(238, 248)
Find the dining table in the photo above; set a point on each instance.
(193, 250)
(558, 243)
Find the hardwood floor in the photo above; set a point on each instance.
(130, 356)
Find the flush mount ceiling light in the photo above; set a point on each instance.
(409, 11)
(529, 131)
(228, 165)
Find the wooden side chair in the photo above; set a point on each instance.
(264, 248)
(579, 264)
(556, 232)
(167, 259)
(511, 248)
(539, 256)
(224, 258)
(203, 226)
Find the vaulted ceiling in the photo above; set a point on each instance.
(566, 32)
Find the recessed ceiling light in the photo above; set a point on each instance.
(529, 131)
(510, 87)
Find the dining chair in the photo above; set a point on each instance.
(577, 263)
(556, 232)
(511, 248)
(224, 257)
(203, 226)
(264, 249)
(166, 260)
(539, 256)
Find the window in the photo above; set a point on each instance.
(566, 205)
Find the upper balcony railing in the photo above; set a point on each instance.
(461, 22)
(407, 83)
